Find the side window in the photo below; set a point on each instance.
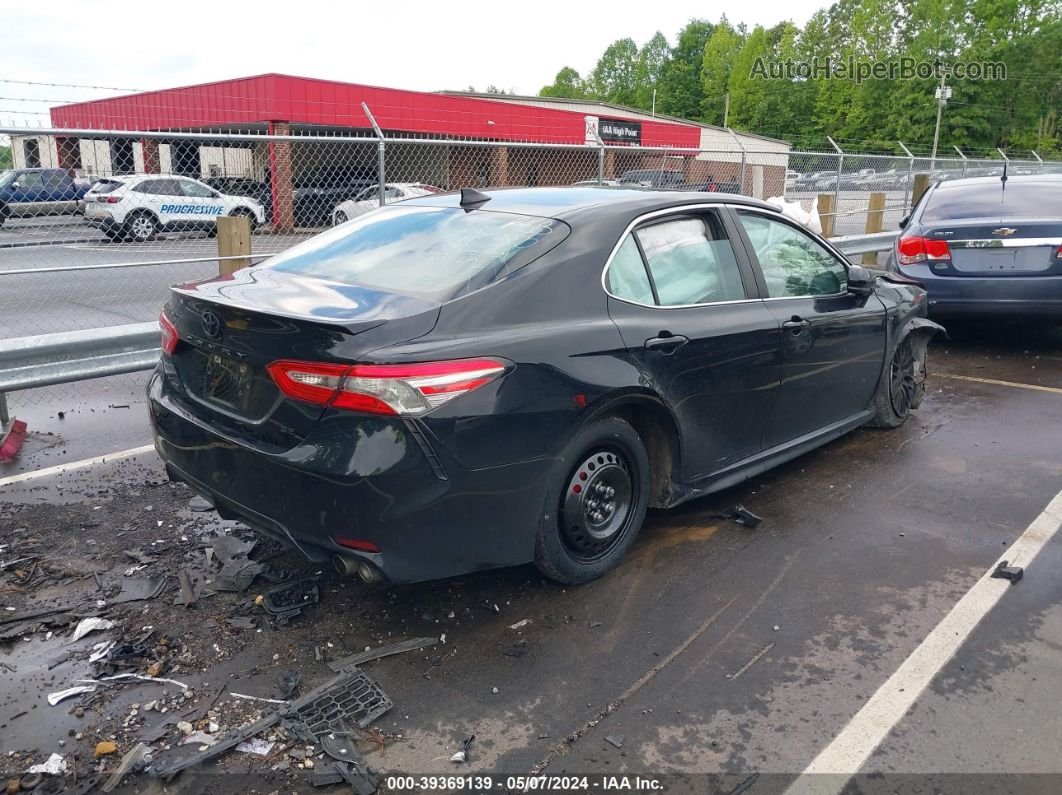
(793, 263)
(691, 261)
(627, 277)
(30, 179)
(55, 179)
(197, 190)
(148, 186)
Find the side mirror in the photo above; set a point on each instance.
(861, 282)
(903, 222)
(15, 185)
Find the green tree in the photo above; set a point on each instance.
(651, 60)
(613, 79)
(720, 52)
(566, 85)
(5, 157)
(679, 88)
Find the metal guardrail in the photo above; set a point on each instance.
(868, 243)
(49, 359)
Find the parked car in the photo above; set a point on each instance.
(243, 186)
(480, 379)
(369, 199)
(26, 192)
(318, 192)
(984, 246)
(652, 178)
(710, 186)
(138, 208)
(608, 183)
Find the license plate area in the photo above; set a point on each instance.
(227, 381)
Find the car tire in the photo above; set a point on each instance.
(595, 503)
(339, 218)
(141, 227)
(4, 212)
(114, 235)
(899, 391)
(246, 213)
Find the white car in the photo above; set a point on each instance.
(138, 207)
(369, 199)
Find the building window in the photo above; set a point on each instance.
(31, 148)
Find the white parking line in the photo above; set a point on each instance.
(845, 755)
(87, 462)
(1017, 384)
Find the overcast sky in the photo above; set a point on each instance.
(410, 44)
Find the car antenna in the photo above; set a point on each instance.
(1003, 180)
(472, 199)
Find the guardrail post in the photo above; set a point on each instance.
(5, 415)
(381, 154)
(875, 222)
(234, 240)
(827, 205)
(910, 174)
(957, 149)
(1039, 160)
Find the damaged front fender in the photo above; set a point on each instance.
(919, 331)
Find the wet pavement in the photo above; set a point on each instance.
(713, 649)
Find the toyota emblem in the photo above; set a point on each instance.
(212, 325)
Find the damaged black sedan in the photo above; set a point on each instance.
(475, 380)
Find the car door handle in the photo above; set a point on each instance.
(666, 343)
(796, 324)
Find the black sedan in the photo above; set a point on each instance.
(987, 245)
(474, 380)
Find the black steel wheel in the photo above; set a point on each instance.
(902, 379)
(899, 391)
(339, 218)
(595, 505)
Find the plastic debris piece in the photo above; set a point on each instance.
(188, 596)
(105, 748)
(138, 589)
(289, 683)
(741, 515)
(615, 740)
(54, 766)
(463, 751)
(256, 746)
(381, 651)
(340, 747)
(12, 440)
(1006, 572)
(61, 695)
(101, 650)
(245, 697)
(241, 622)
(199, 738)
(200, 504)
(87, 625)
(520, 624)
(139, 755)
(287, 600)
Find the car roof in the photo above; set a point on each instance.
(954, 184)
(566, 201)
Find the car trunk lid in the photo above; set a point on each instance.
(996, 248)
(233, 327)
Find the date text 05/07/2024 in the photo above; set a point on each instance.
(484, 784)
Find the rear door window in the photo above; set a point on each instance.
(691, 261)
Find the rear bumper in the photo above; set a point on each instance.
(999, 296)
(361, 478)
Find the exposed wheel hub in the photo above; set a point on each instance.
(902, 379)
(596, 504)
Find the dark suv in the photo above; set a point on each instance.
(317, 192)
(652, 178)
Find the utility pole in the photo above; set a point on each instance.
(726, 110)
(943, 94)
(654, 102)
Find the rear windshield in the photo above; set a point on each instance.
(989, 200)
(436, 252)
(106, 186)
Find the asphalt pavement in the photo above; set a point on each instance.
(717, 658)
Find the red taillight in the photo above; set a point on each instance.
(914, 249)
(1059, 252)
(108, 199)
(170, 337)
(397, 389)
(356, 544)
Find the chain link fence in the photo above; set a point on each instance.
(103, 223)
